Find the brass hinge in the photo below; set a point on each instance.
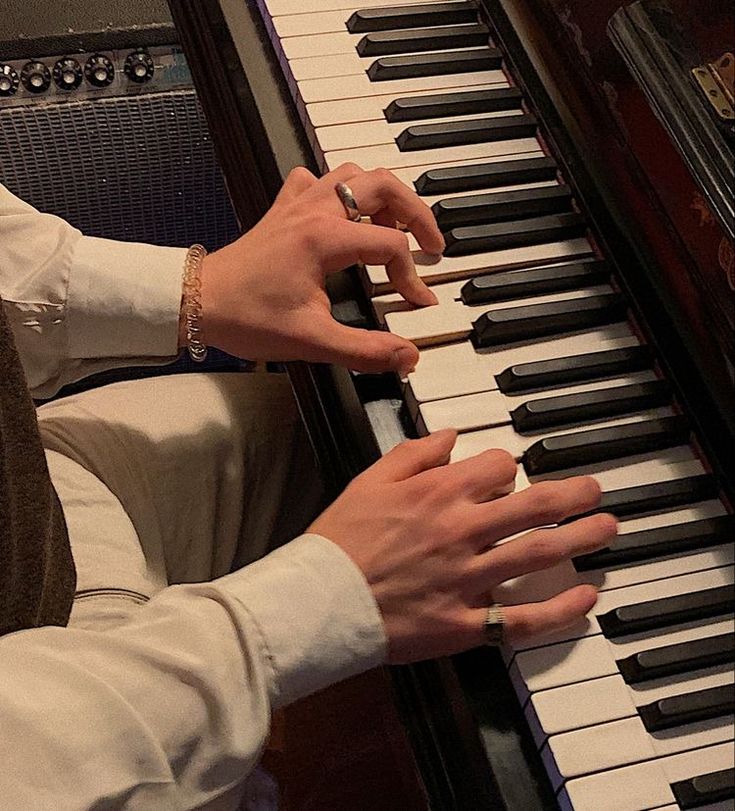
(717, 81)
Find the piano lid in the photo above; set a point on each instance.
(679, 56)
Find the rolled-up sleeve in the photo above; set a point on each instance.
(79, 304)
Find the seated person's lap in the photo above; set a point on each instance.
(178, 478)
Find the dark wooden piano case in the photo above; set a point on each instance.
(464, 743)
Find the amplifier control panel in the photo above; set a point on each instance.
(76, 76)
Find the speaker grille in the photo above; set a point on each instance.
(132, 167)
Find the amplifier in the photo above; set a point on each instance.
(100, 124)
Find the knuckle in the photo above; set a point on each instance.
(383, 176)
(349, 168)
(299, 172)
(399, 241)
(547, 505)
(503, 464)
(546, 549)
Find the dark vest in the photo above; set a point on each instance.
(37, 576)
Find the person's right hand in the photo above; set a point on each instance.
(425, 534)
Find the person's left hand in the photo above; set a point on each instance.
(263, 296)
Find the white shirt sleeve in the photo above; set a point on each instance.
(171, 709)
(79, 304)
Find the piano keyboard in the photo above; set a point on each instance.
(532, 348)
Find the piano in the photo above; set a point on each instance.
(585, 324)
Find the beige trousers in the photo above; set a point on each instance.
(175, 479)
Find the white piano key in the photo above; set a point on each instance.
(456, 369)
(451, 319)
(316, 22)
(672, 566)
(372, 133)
(439, 269)
(322, 44)
(622, 743)
(591, 657)
(319, 22)
(474, 411)
(474, 442)
(371, 108)
(539, 587)
(332, 43)
(277, 7)
(647, 468)
(599, 701)
(330, 88)
(645, 785)
(389, 156)
(411, 174)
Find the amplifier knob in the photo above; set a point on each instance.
(139, 66)
(67, 73)
(9, 80)
(99, 71)
(35, 77)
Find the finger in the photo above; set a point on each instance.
(485, 476)
(539, 505)
(548, 617)
(354, 242)
(544, 548)
(298, 181)
(381, 191)
(415, 456)
(537, 620)
(328, 341)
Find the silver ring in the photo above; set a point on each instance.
(344, 192)
(494, 625)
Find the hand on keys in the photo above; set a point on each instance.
(426, 532)
(263, 296)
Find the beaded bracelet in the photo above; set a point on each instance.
(191, 302)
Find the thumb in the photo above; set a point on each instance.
(361, 349)
(414, 456)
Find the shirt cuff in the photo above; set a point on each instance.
(318, 620)
(124, 299)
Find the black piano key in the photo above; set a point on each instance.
(554, 317)
(568, 409)
(683, 657)
(469, 131)
(666, 611)
(601, 444)
(499, 206)
(545, 374)
(701, 705)
(387, 68)
(660, 542)
(515, 234)
(515, 284)
(414, 108)
(419, 16)
(382, 43)
(656, 497)
(451, 179)
(705, 789)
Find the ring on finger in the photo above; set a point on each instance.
(493, 627)
(347, 198)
